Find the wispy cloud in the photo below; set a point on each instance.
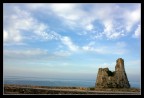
(118, 48)
(34, 55)
(132, 17)
(15, 44)
(74, 16)
(27, 52)
(109, 15)
(137, 33)
(5, 35)
(68, 42)
(62, 53)
(15, 22)
(21, 20)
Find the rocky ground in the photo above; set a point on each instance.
(28, 89)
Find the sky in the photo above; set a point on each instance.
(71, 40)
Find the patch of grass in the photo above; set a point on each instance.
(74, 87)
(91, 88)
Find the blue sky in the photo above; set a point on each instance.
(71, 40)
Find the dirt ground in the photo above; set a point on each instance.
(28, 89)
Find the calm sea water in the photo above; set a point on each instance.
(54, 82)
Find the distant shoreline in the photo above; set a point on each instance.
(30, 89)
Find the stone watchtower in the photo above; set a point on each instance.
(120, 74)
(116, 79)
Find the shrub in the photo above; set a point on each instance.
(92, 88)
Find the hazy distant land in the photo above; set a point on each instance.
(29, 89)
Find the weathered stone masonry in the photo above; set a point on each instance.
(116, 79)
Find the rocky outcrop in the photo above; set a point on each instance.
(116, 79)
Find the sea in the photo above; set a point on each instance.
(55, 82)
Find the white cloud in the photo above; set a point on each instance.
(116, 24)
(91, 47)
(109, 30)
(68, 42)
(62, 53)
(118, 48)
(11, 44)
(89, 27)
(66, 13)
(16, 21)
(35, 6)
(39, 29)
(116, 19)
(73, 16)
(132, 17)
(100, 50)
(46, 34)
(27, 52)
(12, 35)
(65, 10)
(121, 44)
(17, 38)
(34, 55)
(5, 35)
(21, 20)
(137, 33)
(108, 26)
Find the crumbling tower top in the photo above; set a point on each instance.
(119, 65)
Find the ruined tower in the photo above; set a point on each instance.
(120, 74)
(116, 79)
